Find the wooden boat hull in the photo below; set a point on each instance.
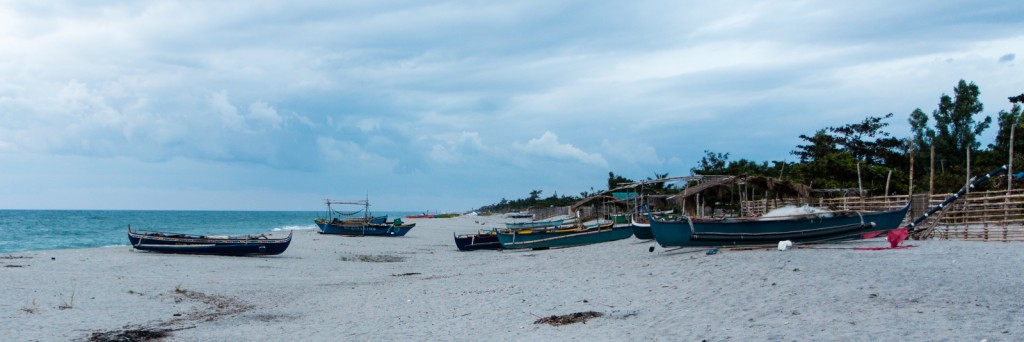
(365, 230)
(198, 244)
(642, 231)
(605, 233)
(359, 221)
(687, 232)
(479, 241)
(539, 224)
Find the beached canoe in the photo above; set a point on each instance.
(805, 228)
(484, 239)
(167, 242)
(546, 238)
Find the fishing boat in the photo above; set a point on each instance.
(642, 226)
(525, 215)
(482, 239)
(395, 228)
(167, 242)
(540, 224)
(641, 230)
(814, 227)
(562, 236)
(359, 226)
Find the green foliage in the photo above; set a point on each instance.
(820, 145)
(955, 127)
(718, 164)
(711, 164)
(1001, 146)
(532, 201)
(954, 132)
(657, 188)
(615, 181)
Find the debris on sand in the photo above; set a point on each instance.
(406, 274)
(576, 317)
(135, 334)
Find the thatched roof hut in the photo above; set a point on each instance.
(688, 201)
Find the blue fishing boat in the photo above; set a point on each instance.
(360, 226)
(642, 226)
(167, 242)
(539, 224)
(814, 227)
(562, 237)
(641, 230)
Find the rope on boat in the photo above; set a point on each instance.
(349, 214)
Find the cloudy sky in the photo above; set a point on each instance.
(450, 105)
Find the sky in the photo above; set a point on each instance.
(447, 106)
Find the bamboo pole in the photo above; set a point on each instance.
(931, 178)
(968, 168)
(1009, 167)
(887, 179)
(860, 186)
(911, 188)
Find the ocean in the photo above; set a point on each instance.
(34, 230)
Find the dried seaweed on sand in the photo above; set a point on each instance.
(576, 317)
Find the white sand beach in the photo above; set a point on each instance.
(420, 287)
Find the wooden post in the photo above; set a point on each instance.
(968, 168)
(887, 179)
(1009, 174)
(860, 186)
(931, 177)
(1009, 167)
(911, 191)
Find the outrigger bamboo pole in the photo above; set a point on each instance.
(951, 199)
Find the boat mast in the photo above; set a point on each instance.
(330, 213)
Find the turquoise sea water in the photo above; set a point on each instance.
(33, 230)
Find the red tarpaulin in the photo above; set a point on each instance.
(895, 237)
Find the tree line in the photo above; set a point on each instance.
(864, 156)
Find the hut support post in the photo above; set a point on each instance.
(931, 177)
(911, 192)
